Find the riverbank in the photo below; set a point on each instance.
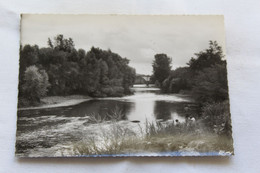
(147, 122)
(125, 138)
(58, 101)
(89, 136)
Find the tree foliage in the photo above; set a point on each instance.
(35, 83)
(97, 73)
(211, 56)
(62, 44)
(179, 79)
(211, 84)
(205, 77)
(161, 67)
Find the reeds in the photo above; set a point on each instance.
(118, 138)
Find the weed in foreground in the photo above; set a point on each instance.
(152, 137)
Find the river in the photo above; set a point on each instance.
(51, 131)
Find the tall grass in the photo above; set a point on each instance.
(115, 115)
(118, 138)
(111, 140)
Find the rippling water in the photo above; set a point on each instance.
(52, 132)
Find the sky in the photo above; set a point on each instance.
(135, 37)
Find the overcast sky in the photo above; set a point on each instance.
(137, 38)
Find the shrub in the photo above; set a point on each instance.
(216, 117)
(211, 84)
(115, 91)
(35, 85)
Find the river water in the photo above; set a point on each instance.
(48, 132)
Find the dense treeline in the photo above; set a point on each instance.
(60, 69)
(205, 79)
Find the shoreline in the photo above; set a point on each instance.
(70, 100)
(58, 101)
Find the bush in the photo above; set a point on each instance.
(179, 79)
(35, 84)
(211, 84)
(216, 117)
(110, 91)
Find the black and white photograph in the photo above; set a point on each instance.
(123, 85)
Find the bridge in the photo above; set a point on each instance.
(142, 79)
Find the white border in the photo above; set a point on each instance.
(242, 21)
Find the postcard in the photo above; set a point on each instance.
(123, 85)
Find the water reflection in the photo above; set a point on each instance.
(142, 111)
(150, 105)
(51, 128)
(146, 104)
(100, 107)
(167, 110)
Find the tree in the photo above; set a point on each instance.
(211, 56)
(104, 73)
(211, 84)
(61, 43)
(35, 83)
(28, 56)
(179, 79)
(91, 74)
(49, 42)
(81, 54)
(161, 67)
(45, 56)
(206, 76)
(128, 79)
(98, 73)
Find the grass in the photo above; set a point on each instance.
(153, 137)
(114, 140)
